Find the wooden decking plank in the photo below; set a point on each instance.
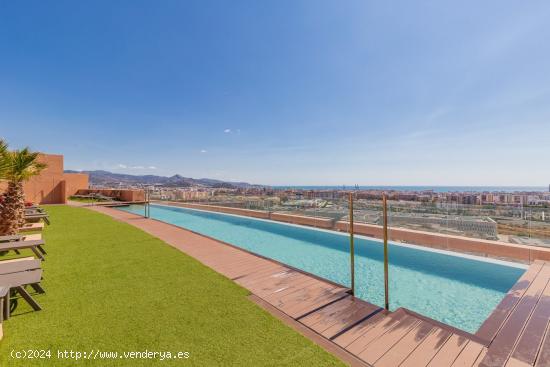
(501, 347)
(428, 348)
(261, 276)
(449, 352)
(299, 298)
(495, 321)
(512, 362)
(266, 270)
(477, 363)
(273, 278)
(226, 262)
(469, 355)
(402, 349)
(283, 291)
(286, 291)
(529, 343)
(358, 330)
(251, 275)
(375, 350)
(359, 344)
(544, 352)
(314, 300)
(327, 313)
(347, 321)
(285, 287)
(237, 266)
(339, 319)
(234, 270)
(225, 265)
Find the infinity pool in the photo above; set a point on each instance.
(458, 290)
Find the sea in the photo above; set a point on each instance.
(507, 189)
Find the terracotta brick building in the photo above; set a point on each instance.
(52, 186)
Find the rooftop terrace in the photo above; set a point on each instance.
(106, 280)
(363, 334)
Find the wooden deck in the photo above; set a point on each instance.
(518, 330)
(362, 334)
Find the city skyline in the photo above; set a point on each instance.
(285, 93)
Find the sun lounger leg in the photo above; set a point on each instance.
(27, 297)
(37, 253)
(5, 307)
(37, 288)
(17, 252)
(41, 249)
(47, 220)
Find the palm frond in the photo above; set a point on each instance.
(5, 162)
(24, 165)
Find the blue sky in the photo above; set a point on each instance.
(283, 92)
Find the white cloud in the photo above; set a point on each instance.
(227, 131)
(203, 151)
(138, 167)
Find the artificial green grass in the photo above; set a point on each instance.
(112, 287)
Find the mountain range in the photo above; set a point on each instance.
(105, 178)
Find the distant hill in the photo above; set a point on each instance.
(106, 178)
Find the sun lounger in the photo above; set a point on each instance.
(36, 246)
(15, 274)
(34, 211)
(36, 216)
(21, 237)
(10, 238)
(32, 227)
(35, 207)
(24, 237)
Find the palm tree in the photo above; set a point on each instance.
(4, 165)
(21, 166)
(4, 162)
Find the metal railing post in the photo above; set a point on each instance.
(351, 244)
(386, 285)
(148, 204)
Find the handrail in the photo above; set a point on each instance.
(386, 282)
(351, 244)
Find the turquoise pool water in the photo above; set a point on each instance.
(456, 290)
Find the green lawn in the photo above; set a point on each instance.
(112, 287)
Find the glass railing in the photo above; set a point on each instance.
(515, 223)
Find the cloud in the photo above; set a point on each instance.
(138, 167)
(232, 131)
(203, 151)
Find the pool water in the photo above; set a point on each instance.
(456, 290)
